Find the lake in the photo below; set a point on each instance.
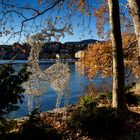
(79, 85)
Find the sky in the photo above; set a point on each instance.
(84, 27)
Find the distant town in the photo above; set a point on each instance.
(51, 50)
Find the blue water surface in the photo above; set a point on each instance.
(79, 85)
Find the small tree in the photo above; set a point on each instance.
(11, 87)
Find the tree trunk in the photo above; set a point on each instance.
(134, 6)
(118, 100)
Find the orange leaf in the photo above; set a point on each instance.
(40, 2)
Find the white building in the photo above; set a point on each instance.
(79, 54)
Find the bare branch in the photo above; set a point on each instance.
(18, 32)
(125, 10)
(41, 13)
(12, 8)
(130, 71)
(19, 7)
(13, 11)
(130, 45)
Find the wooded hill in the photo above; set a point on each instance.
(50, 49)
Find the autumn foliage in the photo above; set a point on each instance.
(97, 59)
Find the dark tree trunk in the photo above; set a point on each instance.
(134, 6)
(118, 100)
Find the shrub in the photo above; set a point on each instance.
(88, 102)
(106, 95)
(109, 95)
(36, 128)
(10, 92)
(99, 122)
(11, 87)
(131, 98)
(101, 95)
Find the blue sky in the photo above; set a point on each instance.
(80, 32)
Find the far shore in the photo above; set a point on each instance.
(40, 61)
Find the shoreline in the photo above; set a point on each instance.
(59, 111)
(40, 61)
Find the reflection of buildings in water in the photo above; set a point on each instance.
(79, 68)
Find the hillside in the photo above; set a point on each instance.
(49, 50)
(82, 42)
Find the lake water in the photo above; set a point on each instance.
(79, 86)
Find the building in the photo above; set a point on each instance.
(79, 54)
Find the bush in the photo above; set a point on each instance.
(101, 95)
(109, 95)
(11, 87)
(99, 122)
(87, 102)
(106, 95)
(130, 97)
(35, 128)
(10, 92)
